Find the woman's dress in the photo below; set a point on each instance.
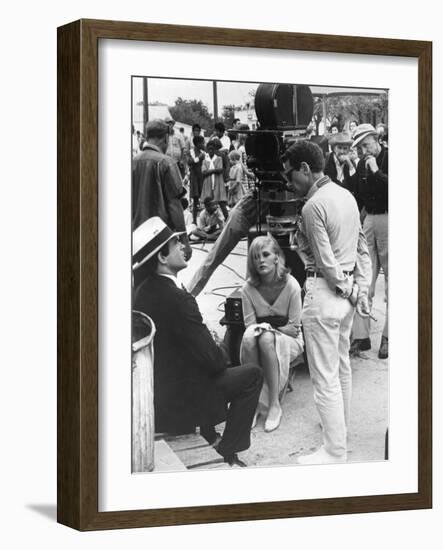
(214, 184)
(256, 309)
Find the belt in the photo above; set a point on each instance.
(319, 274)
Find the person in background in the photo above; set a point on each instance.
(192, 384)
(176, 146)
(271, 300)
(235, 189)
(339, 165)
(196, 157)
(223, 151)
(213, 180)
(352, 126)
(185, 139)
(189, 222)
(333, 247)
(220, 133)
(382, 131)
(210, 222)
(334, 129)
(157, 186)
(371, 192)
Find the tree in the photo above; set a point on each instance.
(342, 108)
(192, 111)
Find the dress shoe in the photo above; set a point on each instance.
(272, 424)
(384, 348)
(233, 461)
(360, 344)
(321, 456)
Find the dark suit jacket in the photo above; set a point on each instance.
(186, 358)
(331, 171)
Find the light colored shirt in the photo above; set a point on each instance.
(176, 147)
(330, 238)
(216, 219)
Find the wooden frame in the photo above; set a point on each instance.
(77, 432)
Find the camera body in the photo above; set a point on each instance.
(283, 111)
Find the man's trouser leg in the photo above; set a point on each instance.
(381, 238)
(327, 321)
(362, 326)
(241, 387)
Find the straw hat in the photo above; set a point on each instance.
(148, 239)
(341, 138)
(362, 131)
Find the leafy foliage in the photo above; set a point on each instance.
(192, 111)
(341, 109)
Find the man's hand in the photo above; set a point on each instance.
(371, 163)
(363, 306)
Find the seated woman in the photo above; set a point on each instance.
(271, 301)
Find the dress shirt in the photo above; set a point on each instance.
(330, 238)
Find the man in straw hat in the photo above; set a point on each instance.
(156, 183)
(192, 384)
(333, 247)
(372, 195)
(339, 166)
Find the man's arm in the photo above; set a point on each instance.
(320, 245)
(173, 188)
(195, 338)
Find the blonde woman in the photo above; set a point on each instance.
(271, 301)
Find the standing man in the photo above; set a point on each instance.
(336, 258)
(176, 146)
(339, 166)
(156, 183)
(192, 384)
(371, 190)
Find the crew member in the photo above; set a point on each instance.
(333, 248)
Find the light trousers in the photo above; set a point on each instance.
(375, 227)
(327, 322)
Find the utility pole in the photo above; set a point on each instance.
(214, 88)
(145, 103)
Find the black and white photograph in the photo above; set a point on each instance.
(259, 274)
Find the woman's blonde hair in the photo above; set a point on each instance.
(255, 247)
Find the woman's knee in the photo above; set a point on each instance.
(266, 340)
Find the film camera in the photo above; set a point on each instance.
(283, 112)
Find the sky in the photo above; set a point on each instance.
(167, 90)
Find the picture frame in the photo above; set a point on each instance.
(78, 245)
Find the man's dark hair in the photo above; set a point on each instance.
(219, 126)
(305, 151)
(334, 125)
(235, 121)
(195, 126)
(150, 266)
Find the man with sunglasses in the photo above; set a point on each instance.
(333, 247)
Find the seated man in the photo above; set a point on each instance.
(192, 384)
(210, 222)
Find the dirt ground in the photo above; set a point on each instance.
(300, 430)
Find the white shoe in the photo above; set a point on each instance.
(272, 424)
(321, 456)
